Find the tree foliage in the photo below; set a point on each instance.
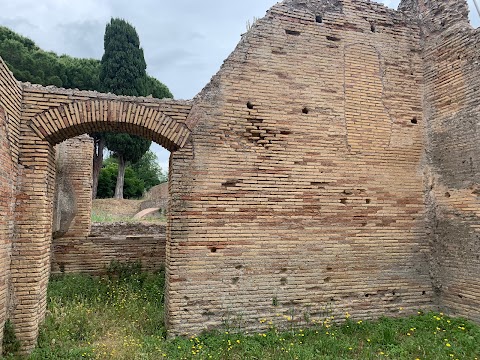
(82, 74)
(123, 66)
(130, 147)
(29, 63)
(157, 89)
(148, 169)
(121, 71)
(133, 187)
(139, 178)
(127, 149)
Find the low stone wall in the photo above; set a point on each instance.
(123, 228)
(120, 242)
(157, 196)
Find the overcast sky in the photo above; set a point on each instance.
(184, 41)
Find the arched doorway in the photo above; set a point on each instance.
(51, 116)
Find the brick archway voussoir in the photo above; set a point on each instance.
(66, 121)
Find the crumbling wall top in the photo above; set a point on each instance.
(437, 15)
(314, 6)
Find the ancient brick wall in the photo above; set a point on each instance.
(73, 193)
(10, 101)
(30, 265)
(124, 243)
(126, 228)
(157, 196)
(55, 115)
(50, 116)
(452, 108)
(305, 186)
(326, 168)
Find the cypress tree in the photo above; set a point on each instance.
(123, 72)
(123, 66)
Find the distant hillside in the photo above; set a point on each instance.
(29, 63)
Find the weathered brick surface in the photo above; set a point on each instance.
(126, 228)
(452, 108)
(10, 101)
(58, 114)
(306, 186)
(156, 197)
(332, 163)
(50, 116)
(73, 192)
(122, 242)
(30, 267)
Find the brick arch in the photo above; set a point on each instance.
(48, 117)
(66, 121)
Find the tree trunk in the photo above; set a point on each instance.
(99, 145)
(120, 177)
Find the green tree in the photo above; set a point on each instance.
(149, 171)
(127, 149)
(29, 63)
(157, 89)
(82, 74)
(123, 66)
(98, 147)
(123, 72)
(138, 178)
(133, 188)
(107, 179)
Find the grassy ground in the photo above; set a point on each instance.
(115, 210)
(121, 317)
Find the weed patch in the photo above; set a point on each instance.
(10, 344)
(120, 316)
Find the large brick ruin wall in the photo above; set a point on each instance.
(452, 108)
(306, 185)
(10, 107)
(109, 243)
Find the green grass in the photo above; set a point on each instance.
(104, 217)
(121, 317)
